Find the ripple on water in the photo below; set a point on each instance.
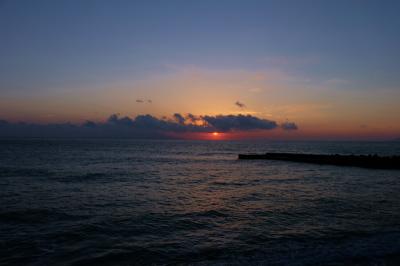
(127, 202)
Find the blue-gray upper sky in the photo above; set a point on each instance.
(48, 42)
(80, 47)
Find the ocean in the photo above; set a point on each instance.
(169, 202)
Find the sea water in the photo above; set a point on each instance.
(157, 202)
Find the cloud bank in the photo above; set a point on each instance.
(144, 126)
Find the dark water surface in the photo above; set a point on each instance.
(131, 202)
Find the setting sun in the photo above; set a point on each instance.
(215, 134)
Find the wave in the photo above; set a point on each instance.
(24, 172)
(33, 216)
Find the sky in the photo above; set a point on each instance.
(311, 69)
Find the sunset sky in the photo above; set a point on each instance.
(329, 67)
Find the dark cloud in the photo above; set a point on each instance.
(124, 121)
(149, 122)
(142, 126)
(289, 126)
(179, 118)
(192, 118)
(89, 124)
(240, 105)
(238, 122)
(144, 101)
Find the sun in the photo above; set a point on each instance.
(216, 135)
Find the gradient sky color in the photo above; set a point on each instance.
(330, 66)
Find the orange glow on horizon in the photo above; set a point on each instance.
(302, 134)
(203, 135)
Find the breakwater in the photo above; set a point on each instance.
(366, 161)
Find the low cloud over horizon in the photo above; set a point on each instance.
(144, 126)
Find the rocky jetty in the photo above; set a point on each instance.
(366, 161)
